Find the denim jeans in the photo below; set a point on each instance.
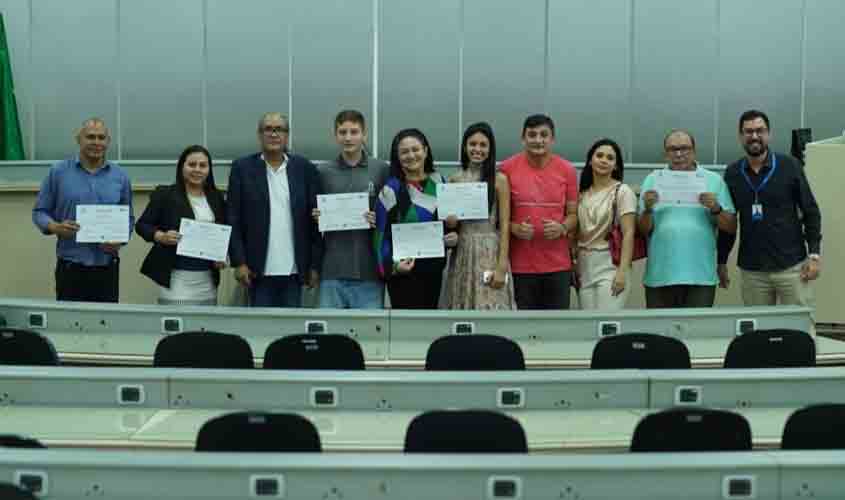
(351, 294)
(276, 291)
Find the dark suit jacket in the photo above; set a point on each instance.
(249, 213)
(166, 207)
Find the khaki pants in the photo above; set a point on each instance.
(779, 287)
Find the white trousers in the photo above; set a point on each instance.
(596, 271)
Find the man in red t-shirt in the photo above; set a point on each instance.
(544, 200)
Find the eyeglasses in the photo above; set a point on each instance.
(751, 132)
(275, 130)
(683, 150)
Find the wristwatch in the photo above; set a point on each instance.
(814, 256)
(717, 211)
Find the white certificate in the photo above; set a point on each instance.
(465, 200)
(680, 188)
(343, 212)
(418, 240)
(203, 240)
(102, 223)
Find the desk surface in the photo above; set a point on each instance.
(294, 390)
(546, 431)
(128, 334)
(641, 476)
(391, 390)
(562, 410)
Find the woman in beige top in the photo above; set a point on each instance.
(603, 285)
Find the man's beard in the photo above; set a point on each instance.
(755, 149)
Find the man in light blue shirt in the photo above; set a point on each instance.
(681, 266)
(84, 271)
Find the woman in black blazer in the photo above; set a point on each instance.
(183, 280)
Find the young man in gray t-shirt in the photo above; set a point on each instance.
(348, 278)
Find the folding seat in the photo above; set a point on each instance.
(640, 350)
(476, 352)
(778, 348)
(203, 350)
(692, 429)
(465, 431)
(815, 427)
(258, 431)
(11, 492)
(13, 441)
(25, 347)
(314, 351)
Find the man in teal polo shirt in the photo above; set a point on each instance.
(681, 266)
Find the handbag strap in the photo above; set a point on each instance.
(615, 196)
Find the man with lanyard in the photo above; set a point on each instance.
(84, 271)
(780, 222)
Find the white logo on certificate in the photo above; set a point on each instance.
(343, 212)
(203, 240)
(102, 223)
(680, 188)
(465, 200)
(418, 240)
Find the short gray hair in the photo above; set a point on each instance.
(272, 115)
(92, 122)
(679, 131)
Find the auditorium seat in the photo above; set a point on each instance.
(314, 351)
(692, 429)
(815, 427)
(640, 350)
(25, 347)
(476, 352)
(465, 431)
(777, 348)
(258, 431)
(14, 441)
(11, 492)
(203, 350)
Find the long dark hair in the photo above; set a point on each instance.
(403, 198)
(587, 174)
(209, 186)
(488, 168)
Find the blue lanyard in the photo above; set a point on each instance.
(765, 181)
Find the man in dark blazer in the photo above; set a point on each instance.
(275, 245)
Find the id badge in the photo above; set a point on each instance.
(757, 212)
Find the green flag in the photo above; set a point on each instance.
(11, 142)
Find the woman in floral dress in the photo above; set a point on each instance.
(479, 276)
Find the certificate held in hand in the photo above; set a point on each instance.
(203, 240)
(343, 212)
(680, 188)
(465, 200)
(418, 240)
(102, 223)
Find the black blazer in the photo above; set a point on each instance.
(249, 213)
(166, 207)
